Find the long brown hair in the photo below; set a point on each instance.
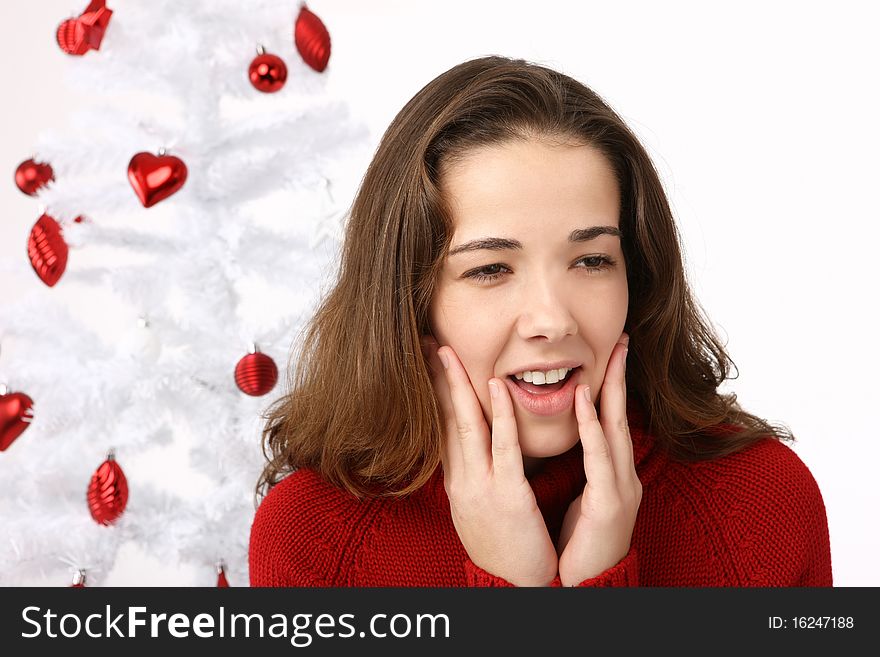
(360, 408)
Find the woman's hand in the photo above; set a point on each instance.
(598, 525)
(493, 506)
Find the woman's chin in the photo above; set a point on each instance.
(545, 445)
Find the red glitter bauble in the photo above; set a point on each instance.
(30, 176)
(76, 36)
(47, 250)
(267, 73)
(155, 177)
(16, 415)
(108, 492)
(256, 374)
(312, 39)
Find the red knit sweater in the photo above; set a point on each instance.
(755, 518)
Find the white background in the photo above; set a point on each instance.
(761, 118)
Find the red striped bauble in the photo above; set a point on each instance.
(47, 250)
(72, 37)
(256, 374)
(312, 39)
(108, 492)
(76, 36)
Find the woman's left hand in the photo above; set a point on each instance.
(598, 525)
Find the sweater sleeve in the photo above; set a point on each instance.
(281, 552)
(776, 526)
(624, 573)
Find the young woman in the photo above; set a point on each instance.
(511, 383)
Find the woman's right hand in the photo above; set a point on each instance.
(493, 506)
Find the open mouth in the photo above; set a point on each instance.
(548, 399)
(546, 388)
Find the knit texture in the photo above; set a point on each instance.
(755, 518)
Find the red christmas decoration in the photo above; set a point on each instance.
(47, 250)
(312, 39)
(222, 582)
(76, 36)
(16, 415)
(108, 492)
(155, 178)
(79, 579)
(267, 72)
(256, 373)
(30, 176)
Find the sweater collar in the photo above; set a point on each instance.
(562, 477)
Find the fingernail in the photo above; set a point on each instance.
(587, 394)
(444, 360)
(625, 352)
(493, 389)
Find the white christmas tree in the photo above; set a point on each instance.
(236, 256)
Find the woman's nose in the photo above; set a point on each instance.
(546, 313)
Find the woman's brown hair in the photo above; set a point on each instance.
(361, 410)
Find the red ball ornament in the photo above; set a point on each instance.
(267, 73)
(108, 492)
(47, 250)
(16, 415)
(312, 39)
(30, 176)
(256, 374)
(155, 178)
(76, 36)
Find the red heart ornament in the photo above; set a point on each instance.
(16, 414)
(47, 250)
(76, 36)
(155, 177)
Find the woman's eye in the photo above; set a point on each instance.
(485, 273)
(594, 265)
(597, 262)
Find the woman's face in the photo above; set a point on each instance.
(522, 209)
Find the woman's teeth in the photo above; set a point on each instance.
(538, 377)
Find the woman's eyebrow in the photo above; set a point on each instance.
(505, 244)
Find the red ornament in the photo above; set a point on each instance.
(256, 374)
(79, 579)
(222, 582)
(155, 178)
(267, 73)
(16, 415)
(76, 36)
(47, 250)
(30, 176)
(108, 492)
(312, 39)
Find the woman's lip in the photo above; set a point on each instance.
(549, 404)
